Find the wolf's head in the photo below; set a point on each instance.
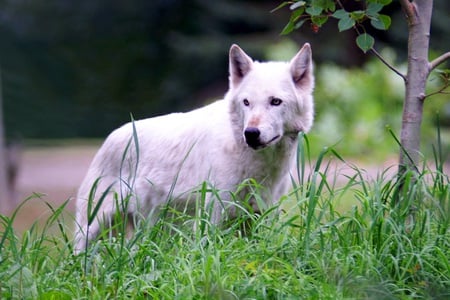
(271, 100)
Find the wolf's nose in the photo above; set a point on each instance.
(252, 136)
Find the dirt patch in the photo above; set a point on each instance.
(55, 172)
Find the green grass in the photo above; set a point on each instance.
(391, 244)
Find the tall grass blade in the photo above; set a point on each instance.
(302, 151)
(55, 217)
(404, 151)
(9, 229)
(93, 213)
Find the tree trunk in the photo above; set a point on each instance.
(419, 18)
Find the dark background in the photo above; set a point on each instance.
(73, 69)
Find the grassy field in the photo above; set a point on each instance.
(393, 243)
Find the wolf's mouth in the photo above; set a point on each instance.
(256, 144)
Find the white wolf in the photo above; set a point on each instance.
(251, 133)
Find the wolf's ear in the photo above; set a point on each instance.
(302, 68)
(240, 65)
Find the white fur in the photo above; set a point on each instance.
(178, 152)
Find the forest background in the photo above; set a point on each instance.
(75, 70)
(78, 69)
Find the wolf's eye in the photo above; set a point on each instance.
(275, 101)
(246, 103)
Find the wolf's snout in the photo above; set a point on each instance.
(252, 136)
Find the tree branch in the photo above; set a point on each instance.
(378, 55)
(440, 91)
(409, 9)
(439, 60)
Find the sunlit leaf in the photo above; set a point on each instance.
(297, 5)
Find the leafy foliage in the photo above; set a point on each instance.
(317, 12)
(356, 108)
(352, 109)
(78, 70)
(365, 42)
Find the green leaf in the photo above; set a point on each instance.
(314, 10)
(319, 20)
(296, 14)
(357, 15)
(288, 28)
(382, 22)
(280, 6)
(346, 23)
(340, 14)
(365, 42)
(373, 8)
(329, 5)
(299, 24)
(293, 21)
